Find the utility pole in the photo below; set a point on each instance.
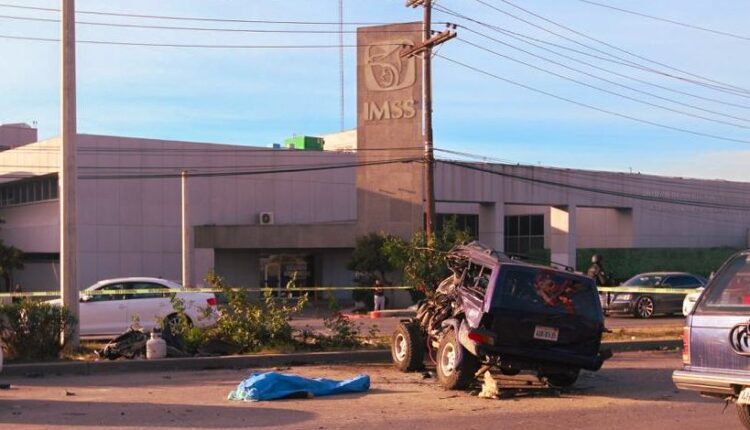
(425, 48)
(68, 171)
(186, 266)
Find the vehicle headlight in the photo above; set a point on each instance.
(623, 297)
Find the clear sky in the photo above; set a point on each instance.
(258, 97)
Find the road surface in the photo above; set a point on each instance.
(633, 391)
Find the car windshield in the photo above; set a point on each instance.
(730, 289)
(644, 280)
(547, 292)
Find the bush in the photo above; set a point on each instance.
(32, 330)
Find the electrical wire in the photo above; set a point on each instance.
(667, 20)
(202, 29)
(714, 83)
(614, 93)
(588, 54)
(190, 45)
(537, 180)
(185, 18)
(596, 108)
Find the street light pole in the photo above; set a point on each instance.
(68, 171)
(186, 266)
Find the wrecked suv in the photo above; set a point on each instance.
(507, 315)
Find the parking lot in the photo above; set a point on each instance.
(634, 390)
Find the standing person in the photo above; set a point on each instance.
(17, 289)
(378, 295)
(596, 271)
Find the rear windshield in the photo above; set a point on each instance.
(730, 289)
(547, 292)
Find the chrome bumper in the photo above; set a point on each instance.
(705, 382)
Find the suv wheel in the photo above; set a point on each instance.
(743, 412)
(644, 307)
(562, 380)
(456, 367)
(407, 347)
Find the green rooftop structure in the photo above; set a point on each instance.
(306, 143)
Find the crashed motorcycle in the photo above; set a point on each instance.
(495, 313)
(130, 344)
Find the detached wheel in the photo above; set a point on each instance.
(644, 307)
(743, 412)
(456, 367)
(407, 347)
(562, 380)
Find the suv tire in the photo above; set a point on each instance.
(562, 380)
(743, 412)
(456, 367)
(644, 307)
(407, 347)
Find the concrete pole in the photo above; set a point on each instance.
(186, 264)
(67, 175)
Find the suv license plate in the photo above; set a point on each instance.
(744, 398)
(550, 333)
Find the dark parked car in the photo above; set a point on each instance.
(642, 305)
(716, 339)
(498, 313)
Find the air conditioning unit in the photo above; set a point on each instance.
(266, 218)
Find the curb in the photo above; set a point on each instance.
(253, 361)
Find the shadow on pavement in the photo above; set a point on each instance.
(146, 415)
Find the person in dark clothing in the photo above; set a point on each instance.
(597, 272)
(379, 296)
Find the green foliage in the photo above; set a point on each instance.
(240, 321)
(32, 330)
(424, 266)
(368, 257)
(624, 263)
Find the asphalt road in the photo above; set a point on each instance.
(387, 325)
(633, 391)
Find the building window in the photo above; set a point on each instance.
(524, 233)
(468, 223)
(28, 190)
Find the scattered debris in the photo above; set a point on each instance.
(426, 375)
(69, 393)
(4, 386)
(490, 389)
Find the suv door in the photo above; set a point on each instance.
(718, 326)
(103, 313)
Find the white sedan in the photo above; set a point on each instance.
(690, 299)
(111, 314)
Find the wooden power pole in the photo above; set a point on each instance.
(425, 48)
(68, 171)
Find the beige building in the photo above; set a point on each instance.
(260, 215)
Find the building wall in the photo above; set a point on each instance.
(14, 135)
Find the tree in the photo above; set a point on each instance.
(424, 266)
(368, 257)
(11, 259)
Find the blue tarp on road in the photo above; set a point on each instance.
(274, 385)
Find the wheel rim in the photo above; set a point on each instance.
(174, 324)
(399, 347)
(448, 359)
(645, 307)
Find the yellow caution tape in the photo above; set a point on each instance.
(193, 290)
(647, 290)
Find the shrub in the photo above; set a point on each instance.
(32, 330)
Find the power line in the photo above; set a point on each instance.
(186, 18)
(536, 180)
(634, 99)
(252, 172)
(727, 87)
(210, 29)
(667, 20)
(180, 45)
(525, 38)
(596, 108)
